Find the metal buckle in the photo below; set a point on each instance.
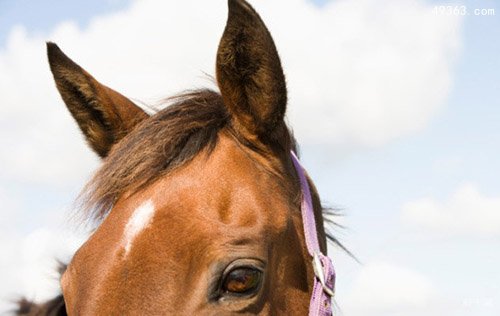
(320, 274)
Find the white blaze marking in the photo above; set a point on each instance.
(140, 219)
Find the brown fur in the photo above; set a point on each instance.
(54, 307)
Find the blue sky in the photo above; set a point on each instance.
(458, 145)
(38, 16)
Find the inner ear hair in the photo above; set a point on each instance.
(103, 115)
(250, 75)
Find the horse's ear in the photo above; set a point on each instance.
(249, 73)
(104, 115)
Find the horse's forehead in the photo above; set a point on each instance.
(230, 185)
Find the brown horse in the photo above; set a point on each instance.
(198, 205)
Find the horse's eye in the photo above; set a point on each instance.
(242, 281)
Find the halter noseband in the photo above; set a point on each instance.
(324, 281)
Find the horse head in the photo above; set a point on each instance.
(199, 204)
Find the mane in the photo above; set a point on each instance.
(166, 140)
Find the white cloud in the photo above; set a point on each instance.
(467, 211)
(388, 289)
(382, 288)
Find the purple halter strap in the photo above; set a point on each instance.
(324, 280)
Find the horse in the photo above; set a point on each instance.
(200, 208)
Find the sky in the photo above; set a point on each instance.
(395, 105)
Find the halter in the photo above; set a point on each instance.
(324, 280)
